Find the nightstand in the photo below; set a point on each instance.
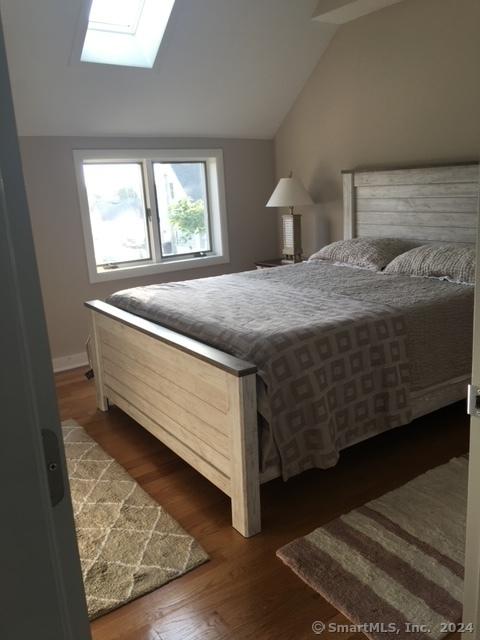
(274, 262)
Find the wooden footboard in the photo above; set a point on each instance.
(197, 400)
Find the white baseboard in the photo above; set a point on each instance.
(70, 362)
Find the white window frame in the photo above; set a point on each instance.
(213, 159)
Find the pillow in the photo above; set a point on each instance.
(450, 261)
(366, 253)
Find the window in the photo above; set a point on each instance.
(121, 16)
(146, 212)
(181, 194)
(118, 215)
(124, 32)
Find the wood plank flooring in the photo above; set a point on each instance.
(245, 592)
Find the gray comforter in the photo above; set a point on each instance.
(339, 349)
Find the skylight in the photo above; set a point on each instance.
(125, 32)
(121, 16)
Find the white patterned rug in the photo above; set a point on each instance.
(128, 544)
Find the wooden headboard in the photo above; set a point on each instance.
(428, 203)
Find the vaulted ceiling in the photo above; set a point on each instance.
(228, 68)
(225, 68)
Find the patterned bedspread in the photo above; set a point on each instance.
(338, 349)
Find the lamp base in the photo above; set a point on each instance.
(292, 258)
(292, 237)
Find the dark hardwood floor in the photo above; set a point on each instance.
(245, 592)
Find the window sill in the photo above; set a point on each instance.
(139, 271)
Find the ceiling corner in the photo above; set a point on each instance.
(342, 11)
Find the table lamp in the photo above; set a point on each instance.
(290, 193)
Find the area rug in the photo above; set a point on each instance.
(129, 545)
(394, 567)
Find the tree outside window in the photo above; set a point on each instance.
(188, 216)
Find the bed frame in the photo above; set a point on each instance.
(201, 402)
(429, 204)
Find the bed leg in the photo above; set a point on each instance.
(96, 355)
(245, 477)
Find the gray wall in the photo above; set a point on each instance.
(395, 88)
(57, 230)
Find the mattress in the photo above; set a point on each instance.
(342, 353)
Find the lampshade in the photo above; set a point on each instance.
(289, 192)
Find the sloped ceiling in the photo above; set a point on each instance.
(225, 68)
(341, 11)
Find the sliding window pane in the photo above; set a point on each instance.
(181, 190)
(117, 212)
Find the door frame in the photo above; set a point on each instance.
(42, 594)
(471, 598)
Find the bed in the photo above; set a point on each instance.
(242, 419)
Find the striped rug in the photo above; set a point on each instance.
(394, 566)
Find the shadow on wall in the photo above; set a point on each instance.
(315, 229)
